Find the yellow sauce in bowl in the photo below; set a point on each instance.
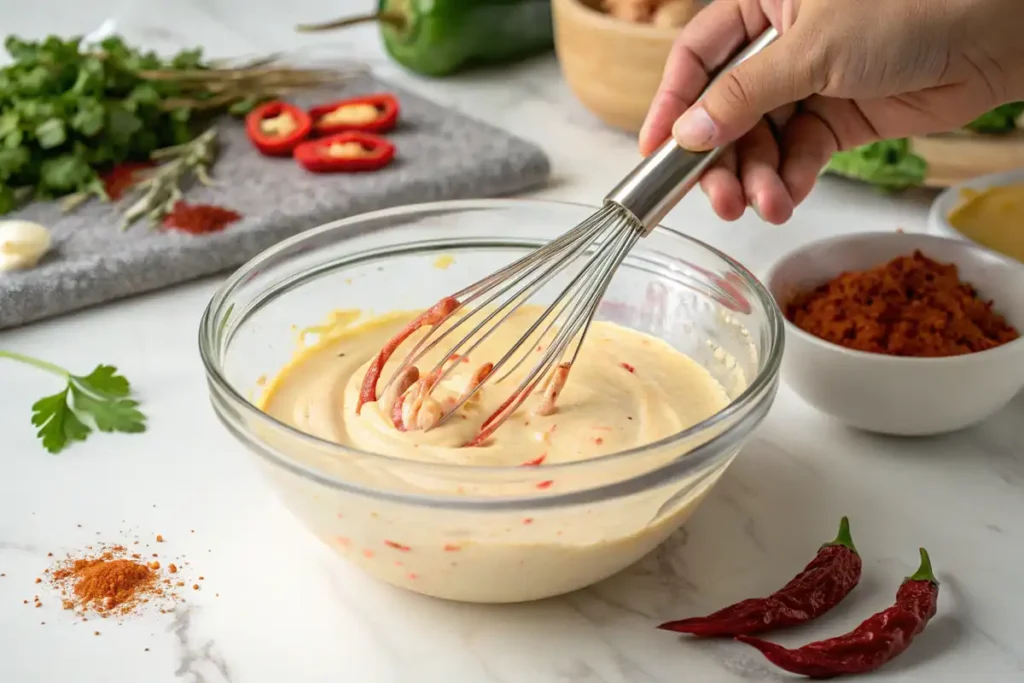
(994, 218)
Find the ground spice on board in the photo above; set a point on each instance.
(200, 219)
(123, 177)
(911, 306)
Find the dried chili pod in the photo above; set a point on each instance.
(822, 585)
(876, 641)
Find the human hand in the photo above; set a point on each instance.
(841, 75)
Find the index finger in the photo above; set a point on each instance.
(705, 44)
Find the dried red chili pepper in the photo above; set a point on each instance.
(200, 219)
(822, 585)
(370, 114)
(876, 641)
(350, 152)
(276, 128)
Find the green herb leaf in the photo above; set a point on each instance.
(105, 380)
(100, 399)
(57, 422)
(889, 165)
(8, 202)
(1000, 120)
(89, 118)
(64, 173)
(12, 160)
(51, 133)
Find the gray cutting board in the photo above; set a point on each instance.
(441, 155)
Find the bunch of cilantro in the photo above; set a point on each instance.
(67, 113)
(892, 164)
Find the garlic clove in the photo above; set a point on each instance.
(22, 244)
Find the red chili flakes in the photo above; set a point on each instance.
(545, 484)
(628, 367)
(452, 547)
(536, 461)
(598, 441)
(343, 541)
(159, 539)
(456, 358)
(397, 546)
(528, 520)
(368, 554)
(413, 576)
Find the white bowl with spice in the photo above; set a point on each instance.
(879, 390)
(988, 210)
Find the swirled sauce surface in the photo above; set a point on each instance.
(625, 389)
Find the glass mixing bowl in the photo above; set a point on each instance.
(487, 534)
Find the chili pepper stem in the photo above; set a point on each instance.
(924, 572)
(391, 18)
(844, 537)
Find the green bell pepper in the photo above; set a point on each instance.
(441, 37)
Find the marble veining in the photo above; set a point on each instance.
(277, 606)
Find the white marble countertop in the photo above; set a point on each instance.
(277, 606)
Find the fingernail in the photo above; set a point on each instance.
(757, 209)
(694, 128)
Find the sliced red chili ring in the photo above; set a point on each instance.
(368, 114)
(350, 152)
(276, 128)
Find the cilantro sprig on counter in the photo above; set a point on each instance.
(100, 400)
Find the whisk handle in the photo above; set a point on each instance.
(660, 181)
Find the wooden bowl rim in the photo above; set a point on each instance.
(598, 19)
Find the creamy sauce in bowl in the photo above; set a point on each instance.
(626, 390)
(993, 217)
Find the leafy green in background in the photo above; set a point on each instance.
(1002, 119)
(889, 164)
(65, 113)
(892, 165)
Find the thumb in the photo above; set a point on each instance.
(780, 74)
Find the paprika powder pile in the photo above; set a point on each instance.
(911, 306)
(110, 581)
(200, 219)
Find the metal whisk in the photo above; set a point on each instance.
(631, 211)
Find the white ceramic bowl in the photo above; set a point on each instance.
(898, 395)
(938, 215)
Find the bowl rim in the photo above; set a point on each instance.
(948, 199)
(962, 243)
(741, 406)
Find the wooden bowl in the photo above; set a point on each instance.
(612, 66)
